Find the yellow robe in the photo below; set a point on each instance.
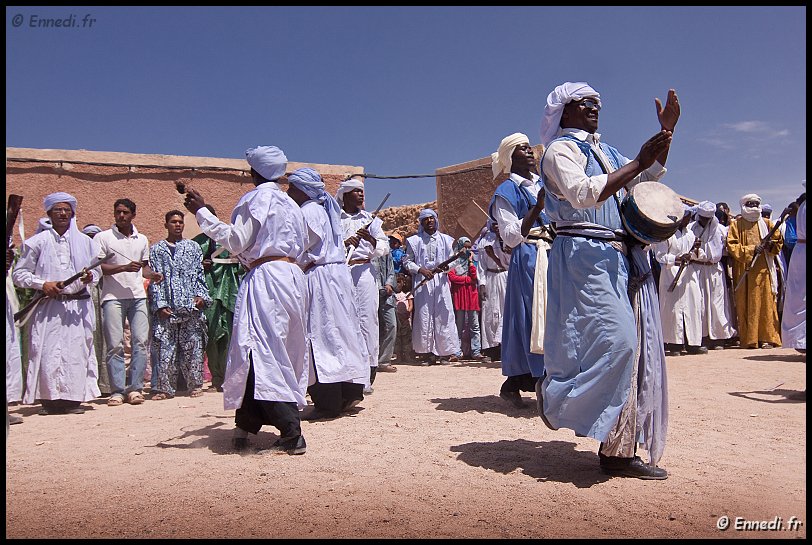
(755, 302)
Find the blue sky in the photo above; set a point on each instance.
(407, 90)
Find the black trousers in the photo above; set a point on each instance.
(525, 383)
(255, 413)
(332, 397)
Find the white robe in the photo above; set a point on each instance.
(61, 356)
(679, 309)
(434, 328)
(717, 322)
(14, 369)
(339, 354)
(793, 322)
(272, 301)
(495, 287)
(363, 277)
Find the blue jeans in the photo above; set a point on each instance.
(469, 319)
(114, 312)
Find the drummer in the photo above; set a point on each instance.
(590, 349)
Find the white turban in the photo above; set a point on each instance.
(268, 161)
(50, 200)
(347, 186)
(43, 225)
(425, 213)
(750, 213)
(556, 101)
(91, 229)
(706, 209)
(502, 159)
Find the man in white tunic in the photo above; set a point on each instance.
(680, 307)
(266, 373)
(364, 240)
(434, 327)
(14, 379)
(715, 313)
(338, 358)
(793, 326)
(62, 366)
(493, 263)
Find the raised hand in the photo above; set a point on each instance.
(668, 115)
(653, 147)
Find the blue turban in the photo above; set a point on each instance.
(50, 200)
(310, 182)
(268, 161)
(425, 213)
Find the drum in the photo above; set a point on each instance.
(651, 212)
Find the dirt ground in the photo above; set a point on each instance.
(432, 453)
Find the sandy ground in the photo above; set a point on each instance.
(433, 452)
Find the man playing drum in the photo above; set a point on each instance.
(591, 342)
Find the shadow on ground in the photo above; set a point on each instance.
(488, 404)
(548, 461)
(780, 396)
(800, 358)
(217, 438)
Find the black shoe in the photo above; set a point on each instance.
(350, 404)
(52, 410)
(697, 349)
(239, 443)
(631, 467)
(75, 410)
(540, 404)
(290, 445)
(513, 397)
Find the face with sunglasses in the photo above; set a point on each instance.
(581, 114)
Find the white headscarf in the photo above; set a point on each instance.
(706, 209)
(80, 251)
(502, 159)
(91, 229)
(425, 213)
(347, 186)
(561, 95)
(268, 161)
(751, 213)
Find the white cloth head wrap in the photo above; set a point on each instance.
(425, 213)
(268, 161)
(502, 159)
(91, 229)
(561, 95)
(310, 181)
(43, 225)
(347, 186)
(706, 209)
(750, 213)
(50, 200)
(80, 252)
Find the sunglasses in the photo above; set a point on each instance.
(590, 104)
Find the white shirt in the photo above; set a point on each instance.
(510, 224)
(563, 167)
(124, 249)
(350, 223)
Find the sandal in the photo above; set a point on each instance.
(135, 398)
(115, 401)
(159, 396)
(197, 392)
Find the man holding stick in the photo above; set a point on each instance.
(434, 329)
(365, 240)
(754, 274)
(62, 367)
